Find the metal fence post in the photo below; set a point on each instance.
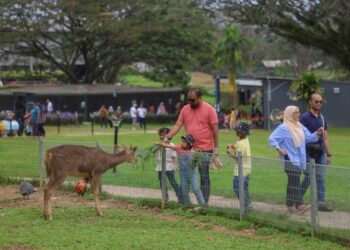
(241, 186)
(41, 159)
(313, 197)
(163, 178)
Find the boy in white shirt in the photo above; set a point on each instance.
(170, 163)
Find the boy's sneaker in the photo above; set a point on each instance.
(303, 208)
(324, 208)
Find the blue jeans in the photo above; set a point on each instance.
(246, 189)
(173, 183)
(35, 131)
(188, 177)
(204, 176)
(321, 172)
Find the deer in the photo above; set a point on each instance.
(81, 161)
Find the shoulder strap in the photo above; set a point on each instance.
(323, 123)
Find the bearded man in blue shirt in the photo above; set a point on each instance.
(312, 120)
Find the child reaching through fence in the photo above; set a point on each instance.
(187, 172)
(170, 164)
(242, 145)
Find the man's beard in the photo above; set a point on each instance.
(315, 109)
(194, 105)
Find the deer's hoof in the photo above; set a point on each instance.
(47, 217)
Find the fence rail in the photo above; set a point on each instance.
(23, 158)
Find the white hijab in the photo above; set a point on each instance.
(294, 126)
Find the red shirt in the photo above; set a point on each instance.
(197, 122)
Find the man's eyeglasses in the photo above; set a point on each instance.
(319, 102)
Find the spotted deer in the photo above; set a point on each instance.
(81, 161)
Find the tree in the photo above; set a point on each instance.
(305, 86)
(228, 55)
(320, 24)
(104, 35)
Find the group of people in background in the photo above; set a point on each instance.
(29, 121)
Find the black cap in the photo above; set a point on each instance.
(242, 128)
(189, 139)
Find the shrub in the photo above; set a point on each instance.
(66, 118)
(158, 119)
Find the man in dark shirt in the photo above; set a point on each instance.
(313, 120)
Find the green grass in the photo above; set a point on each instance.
(139, 80)
(19, 157)
(79, 228)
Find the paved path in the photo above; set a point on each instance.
(335, 219)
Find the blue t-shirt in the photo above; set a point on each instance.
(312, 123)
(34, 114)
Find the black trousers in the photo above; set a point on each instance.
(293, 197)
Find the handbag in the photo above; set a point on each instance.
(215, 163)
(314, 149)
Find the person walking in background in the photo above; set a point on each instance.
(201, 121)
(170, 165)
(232, 118)
(133, 116)
(289, 139)
(19, 115)
(34, 118)
(49, 106)
(320, 151)
(103, 116)
(161, 109)
(243, 146)
(150, 109)
(141, 113)
(41, 120)
(188, 175)
(110, 114)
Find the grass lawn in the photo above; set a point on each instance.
(124, 229)
(76, 228)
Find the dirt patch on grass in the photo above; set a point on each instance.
(11, 197)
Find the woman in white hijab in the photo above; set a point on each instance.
(289, 139)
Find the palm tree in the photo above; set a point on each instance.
(228, 55)
(307, 84)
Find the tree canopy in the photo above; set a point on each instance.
(320, 24)
(105, 35)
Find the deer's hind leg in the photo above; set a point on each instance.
(96, 191)
(50, 187)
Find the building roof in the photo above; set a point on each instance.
(78, 89)
(249, 82)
